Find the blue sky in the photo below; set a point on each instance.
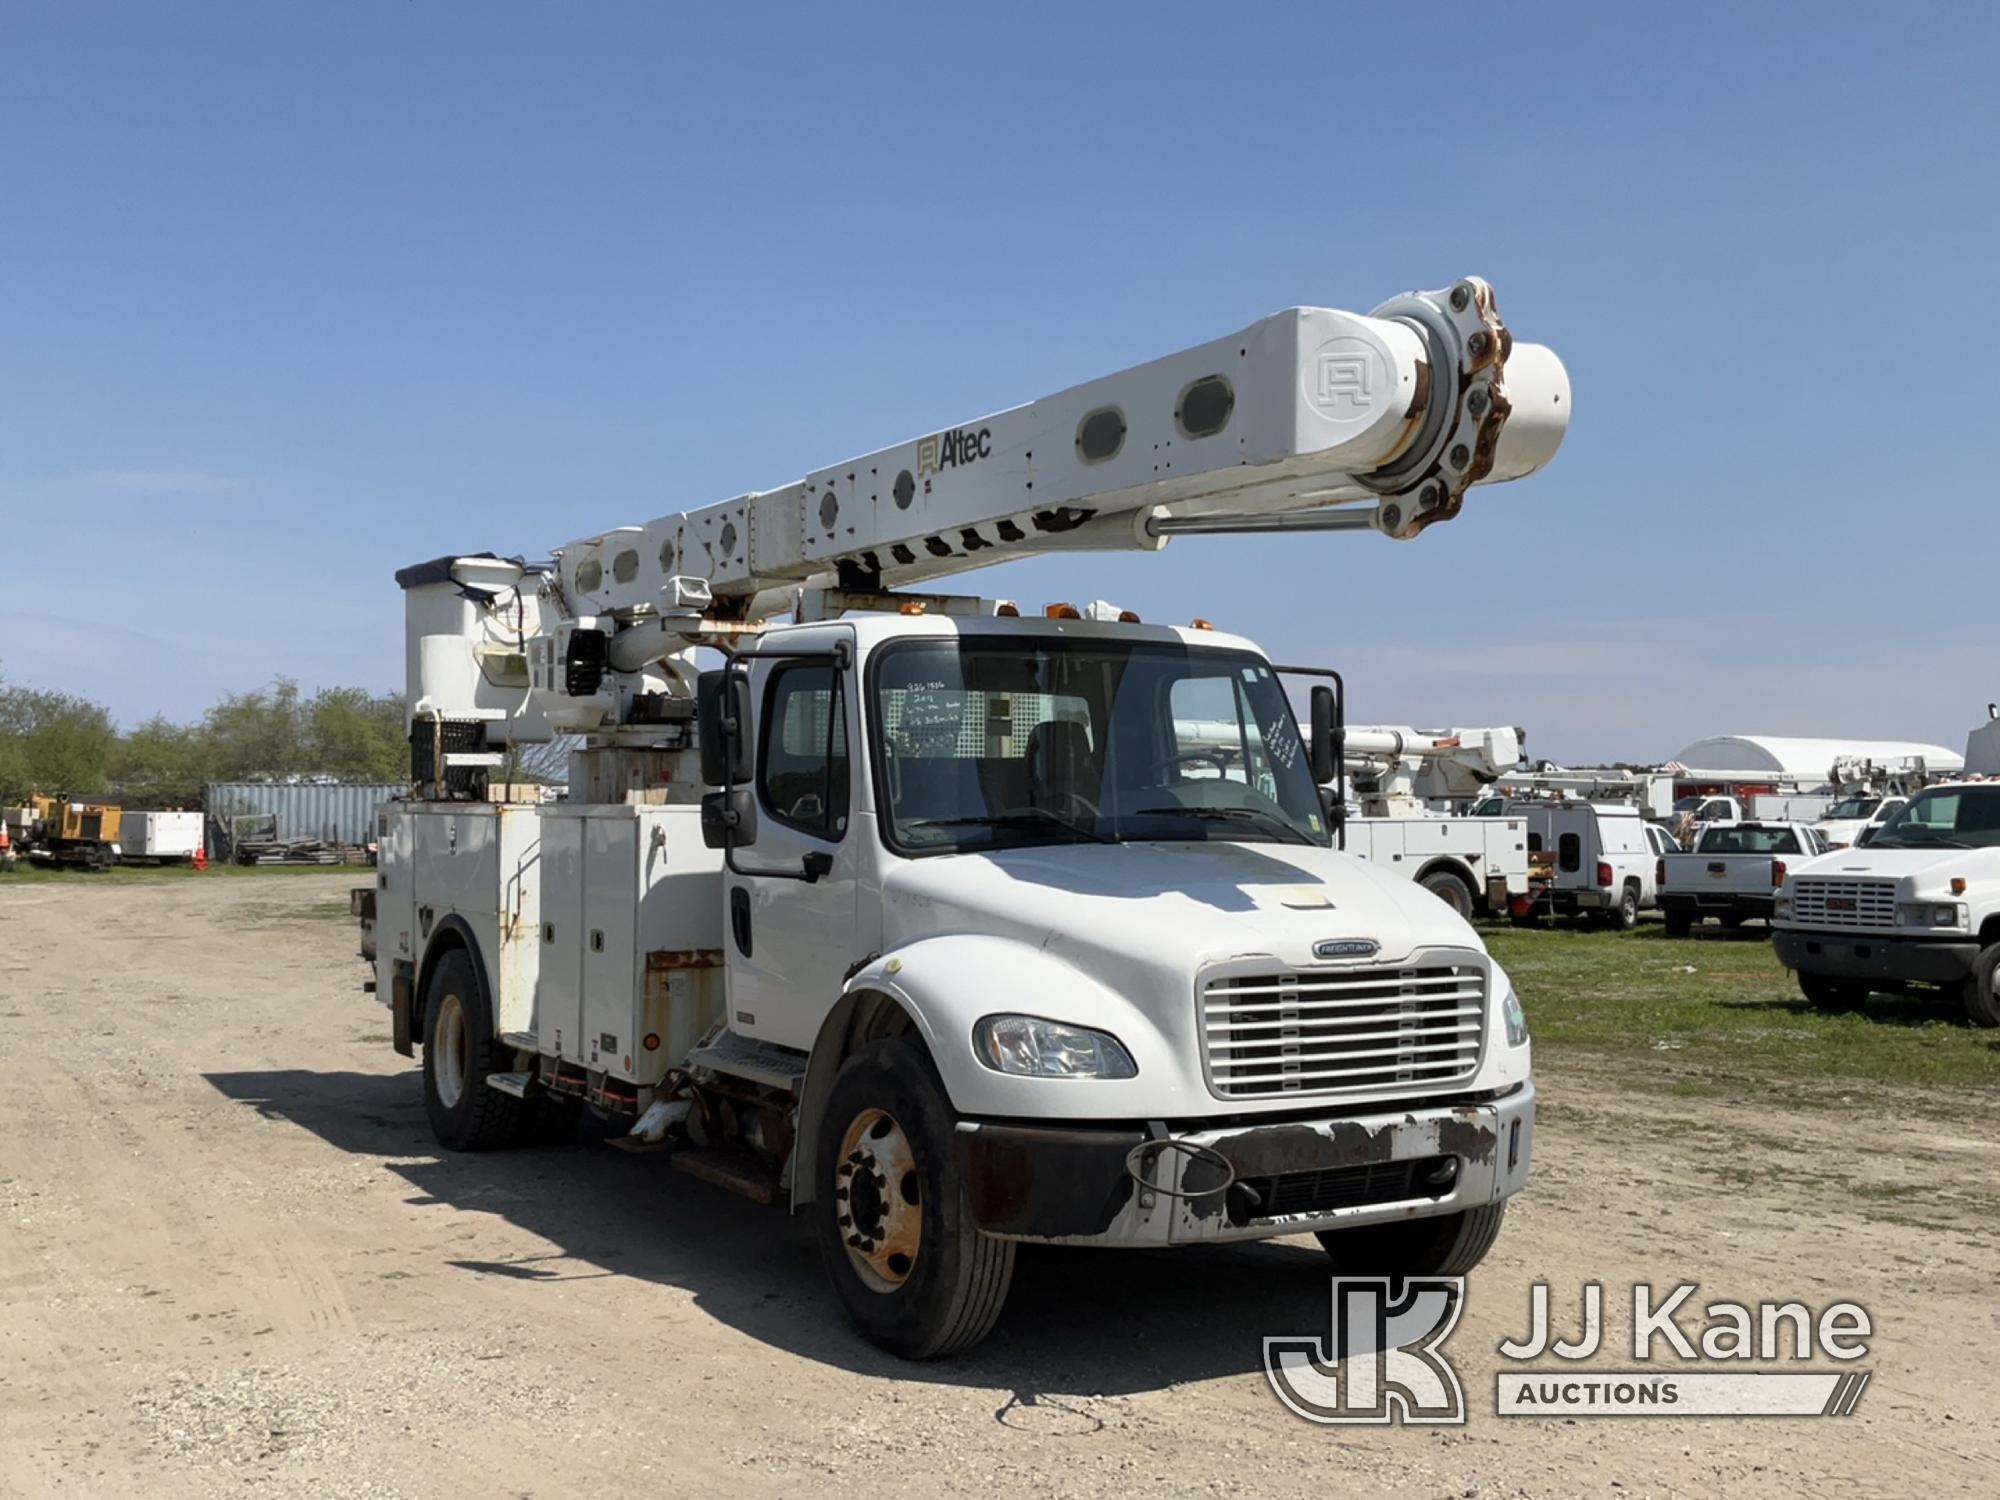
(292, 295)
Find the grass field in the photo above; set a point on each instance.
(1715, 1015)
(25, 873)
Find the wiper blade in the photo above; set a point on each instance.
(1034, 817)
(1261, 819)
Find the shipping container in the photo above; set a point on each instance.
(337, 812)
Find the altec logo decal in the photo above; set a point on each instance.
(953, 450)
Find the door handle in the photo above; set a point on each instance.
(739, 918)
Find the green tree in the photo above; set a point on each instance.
(357, 735)
(256, 735)
(52, 742)
(160, 764)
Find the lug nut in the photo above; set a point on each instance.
(1459, 456)
(1459, 297)
(1478, 344)
(1475, 403)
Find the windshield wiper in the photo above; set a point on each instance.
(1034, 817)
(1261, 819)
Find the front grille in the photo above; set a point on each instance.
(1335, 1188)
(1331, 1031)
(1822, 902)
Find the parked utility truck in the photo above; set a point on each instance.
(917, 915)
(1915, 908)
(1409, 782)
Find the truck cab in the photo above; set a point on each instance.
(969, 946)
(1915, 908)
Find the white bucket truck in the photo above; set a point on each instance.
(917, 916)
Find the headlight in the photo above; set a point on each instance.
(1034, 1048)
(1930, 914)
(1515, 1018)
(1781, 909)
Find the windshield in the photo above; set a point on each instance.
(1956, 817)
(1687, 804)
(1004, 741)
(1854, 807)
(1745, 839)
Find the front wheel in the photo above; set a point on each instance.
(1982, 988)
(890, 1211)
(1443, 1245)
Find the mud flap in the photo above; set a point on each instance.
(399, 1013)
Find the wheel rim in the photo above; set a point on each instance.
(452, 1047)
(880, 1196)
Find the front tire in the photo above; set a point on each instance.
(460, 1053)
(1982, 1000)
(890, 1211)
(1443, 1245)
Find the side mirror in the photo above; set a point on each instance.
(1324, 767)
(722, 721)
(729, 818)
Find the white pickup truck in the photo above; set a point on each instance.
(1734, 873)
(1917, 907)
(1856, 819)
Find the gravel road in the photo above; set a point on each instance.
(232, 1262)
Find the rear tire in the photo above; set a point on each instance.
(1445, 1245)
(1828, 993)
(1625, 915)
(1982, 1002)
(460, 1053)
(1679, 924)
(890, 1211)
(1451, 890)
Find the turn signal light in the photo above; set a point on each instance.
(1958, 885)
(914, 607)
(1660, 872)
(1777, 873)
(652, 1041)
(1604, 874)
(1007, 609)
(1061, 612)
(1198, 623)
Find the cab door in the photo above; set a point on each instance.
(789, 923)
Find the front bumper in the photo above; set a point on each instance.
(1070, 1185)
(1880, 959)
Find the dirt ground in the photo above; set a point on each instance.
(231, 1261)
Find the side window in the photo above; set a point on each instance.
(1569, 851)
(802, 760)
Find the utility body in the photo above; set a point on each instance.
(954, 928)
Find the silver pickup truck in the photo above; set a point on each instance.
(1734, 873)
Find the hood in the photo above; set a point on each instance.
(1923, 868)
(1171, 906)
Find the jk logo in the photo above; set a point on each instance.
(1379, 1360)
